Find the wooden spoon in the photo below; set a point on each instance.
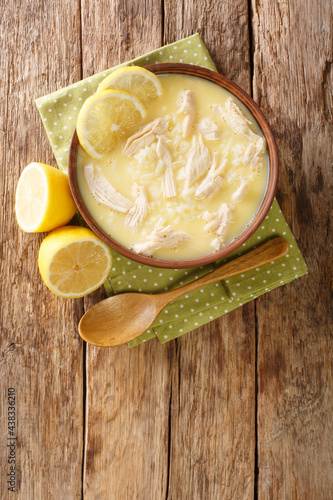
(122, 318)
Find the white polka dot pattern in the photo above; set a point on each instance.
(59, 112)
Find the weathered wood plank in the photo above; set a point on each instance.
(209, 374)
(128, 390)
(212, 427)
(293, 84)
(128, 394)
(41, 354)
(213, 411)
(223, 27)
(114, 32)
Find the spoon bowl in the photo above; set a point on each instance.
(122, 318)
(113, 321)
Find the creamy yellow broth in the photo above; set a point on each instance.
(183, 212)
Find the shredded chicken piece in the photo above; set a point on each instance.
(253, 152)
(178, 163)
(209, 129)
(145, 137)
(217, 243)
(161, 237)
(219, 222)
(198, 161)
(103, 191)
(187, 107)
(261, 145)
(162, 151)
(249, 153)
(235, 119)
(168, 183)
(138, 212)
(239, 194)
(213, 180)
(218, 111)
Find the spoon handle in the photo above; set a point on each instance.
(270, 251)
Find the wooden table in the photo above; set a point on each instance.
(239, 409)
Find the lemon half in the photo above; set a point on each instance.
(73, 261)
(43, 199)
(106, 116)
(139, 81)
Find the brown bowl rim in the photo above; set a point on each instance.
(221, 81)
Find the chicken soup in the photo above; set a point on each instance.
(188, 181)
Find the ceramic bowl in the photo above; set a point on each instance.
(254, 109)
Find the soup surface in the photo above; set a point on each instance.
(189, 183)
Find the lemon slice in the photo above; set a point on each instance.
(105, 117)
(139, 81)
(43, 199)
(73, 261)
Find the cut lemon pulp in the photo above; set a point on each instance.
(73, 261)
(139, 81)
(104, 118)
(43, 199)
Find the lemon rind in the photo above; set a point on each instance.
(37, 225)
(131, 69)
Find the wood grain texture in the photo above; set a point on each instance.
(224, 27)
(293, 83)
(128, 390)
(212, 425)
(174, 421)
(115, 31)
(40, 351)
(128, 394)
(212, 435)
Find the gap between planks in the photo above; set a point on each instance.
(256, 330)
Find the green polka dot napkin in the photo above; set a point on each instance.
(59, 112)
